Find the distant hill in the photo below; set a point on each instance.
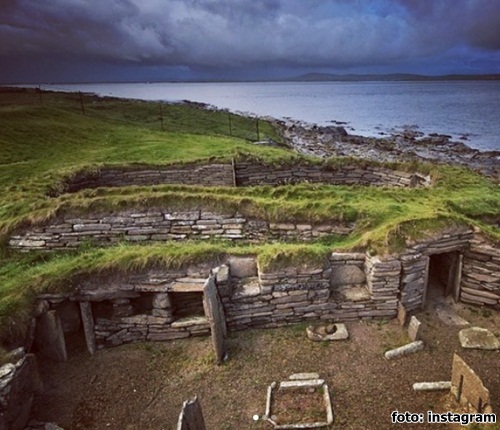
(313, 77)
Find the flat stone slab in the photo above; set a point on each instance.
(249, 289)
(409, 348)
(187, 286)
(478, 338)
(310, 383)
(432, 386)
(446, 314)
(6, 369)
(414, 329)
(353, 293)
(189, 322)
(242, 267)
(327, 332)
(303, 376)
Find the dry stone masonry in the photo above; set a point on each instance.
(209, 175)
(69, 232)
(481, 273)
(238, 174)
(248, 174)
(161, 305)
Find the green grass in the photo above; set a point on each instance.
(188, 118)
(44, 143)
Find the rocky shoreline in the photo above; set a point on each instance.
(408, 145)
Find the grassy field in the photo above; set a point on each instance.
(46, 137)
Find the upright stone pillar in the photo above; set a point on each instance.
(49, 337)
(88, 325)
(214, 312)
(191, 416)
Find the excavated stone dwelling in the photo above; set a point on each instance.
(160, 305)
(214, 297)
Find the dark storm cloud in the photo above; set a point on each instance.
(241, 33)
(473, 22)
(483, 28)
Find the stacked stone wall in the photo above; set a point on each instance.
(243, 174)
(343, 287)
(69, 232)
(413, 280)
(209, 175)
(248, 174)
(337, 290)
(124, 323)
(481, 273)
(383, 276)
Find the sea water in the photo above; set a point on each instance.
(466, 110)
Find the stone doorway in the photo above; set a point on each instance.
(444, 274)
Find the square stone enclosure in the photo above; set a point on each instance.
(299, 385)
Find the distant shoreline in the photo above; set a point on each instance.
(308, 77)
(405, 77)
(466, 110)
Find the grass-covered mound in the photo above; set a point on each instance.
(46, 137)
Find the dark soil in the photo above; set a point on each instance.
(143, 386)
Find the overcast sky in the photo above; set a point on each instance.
(140, 40)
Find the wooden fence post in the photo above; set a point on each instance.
(81, 102)
(161, 118)
(39, 91)
(460, 388)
